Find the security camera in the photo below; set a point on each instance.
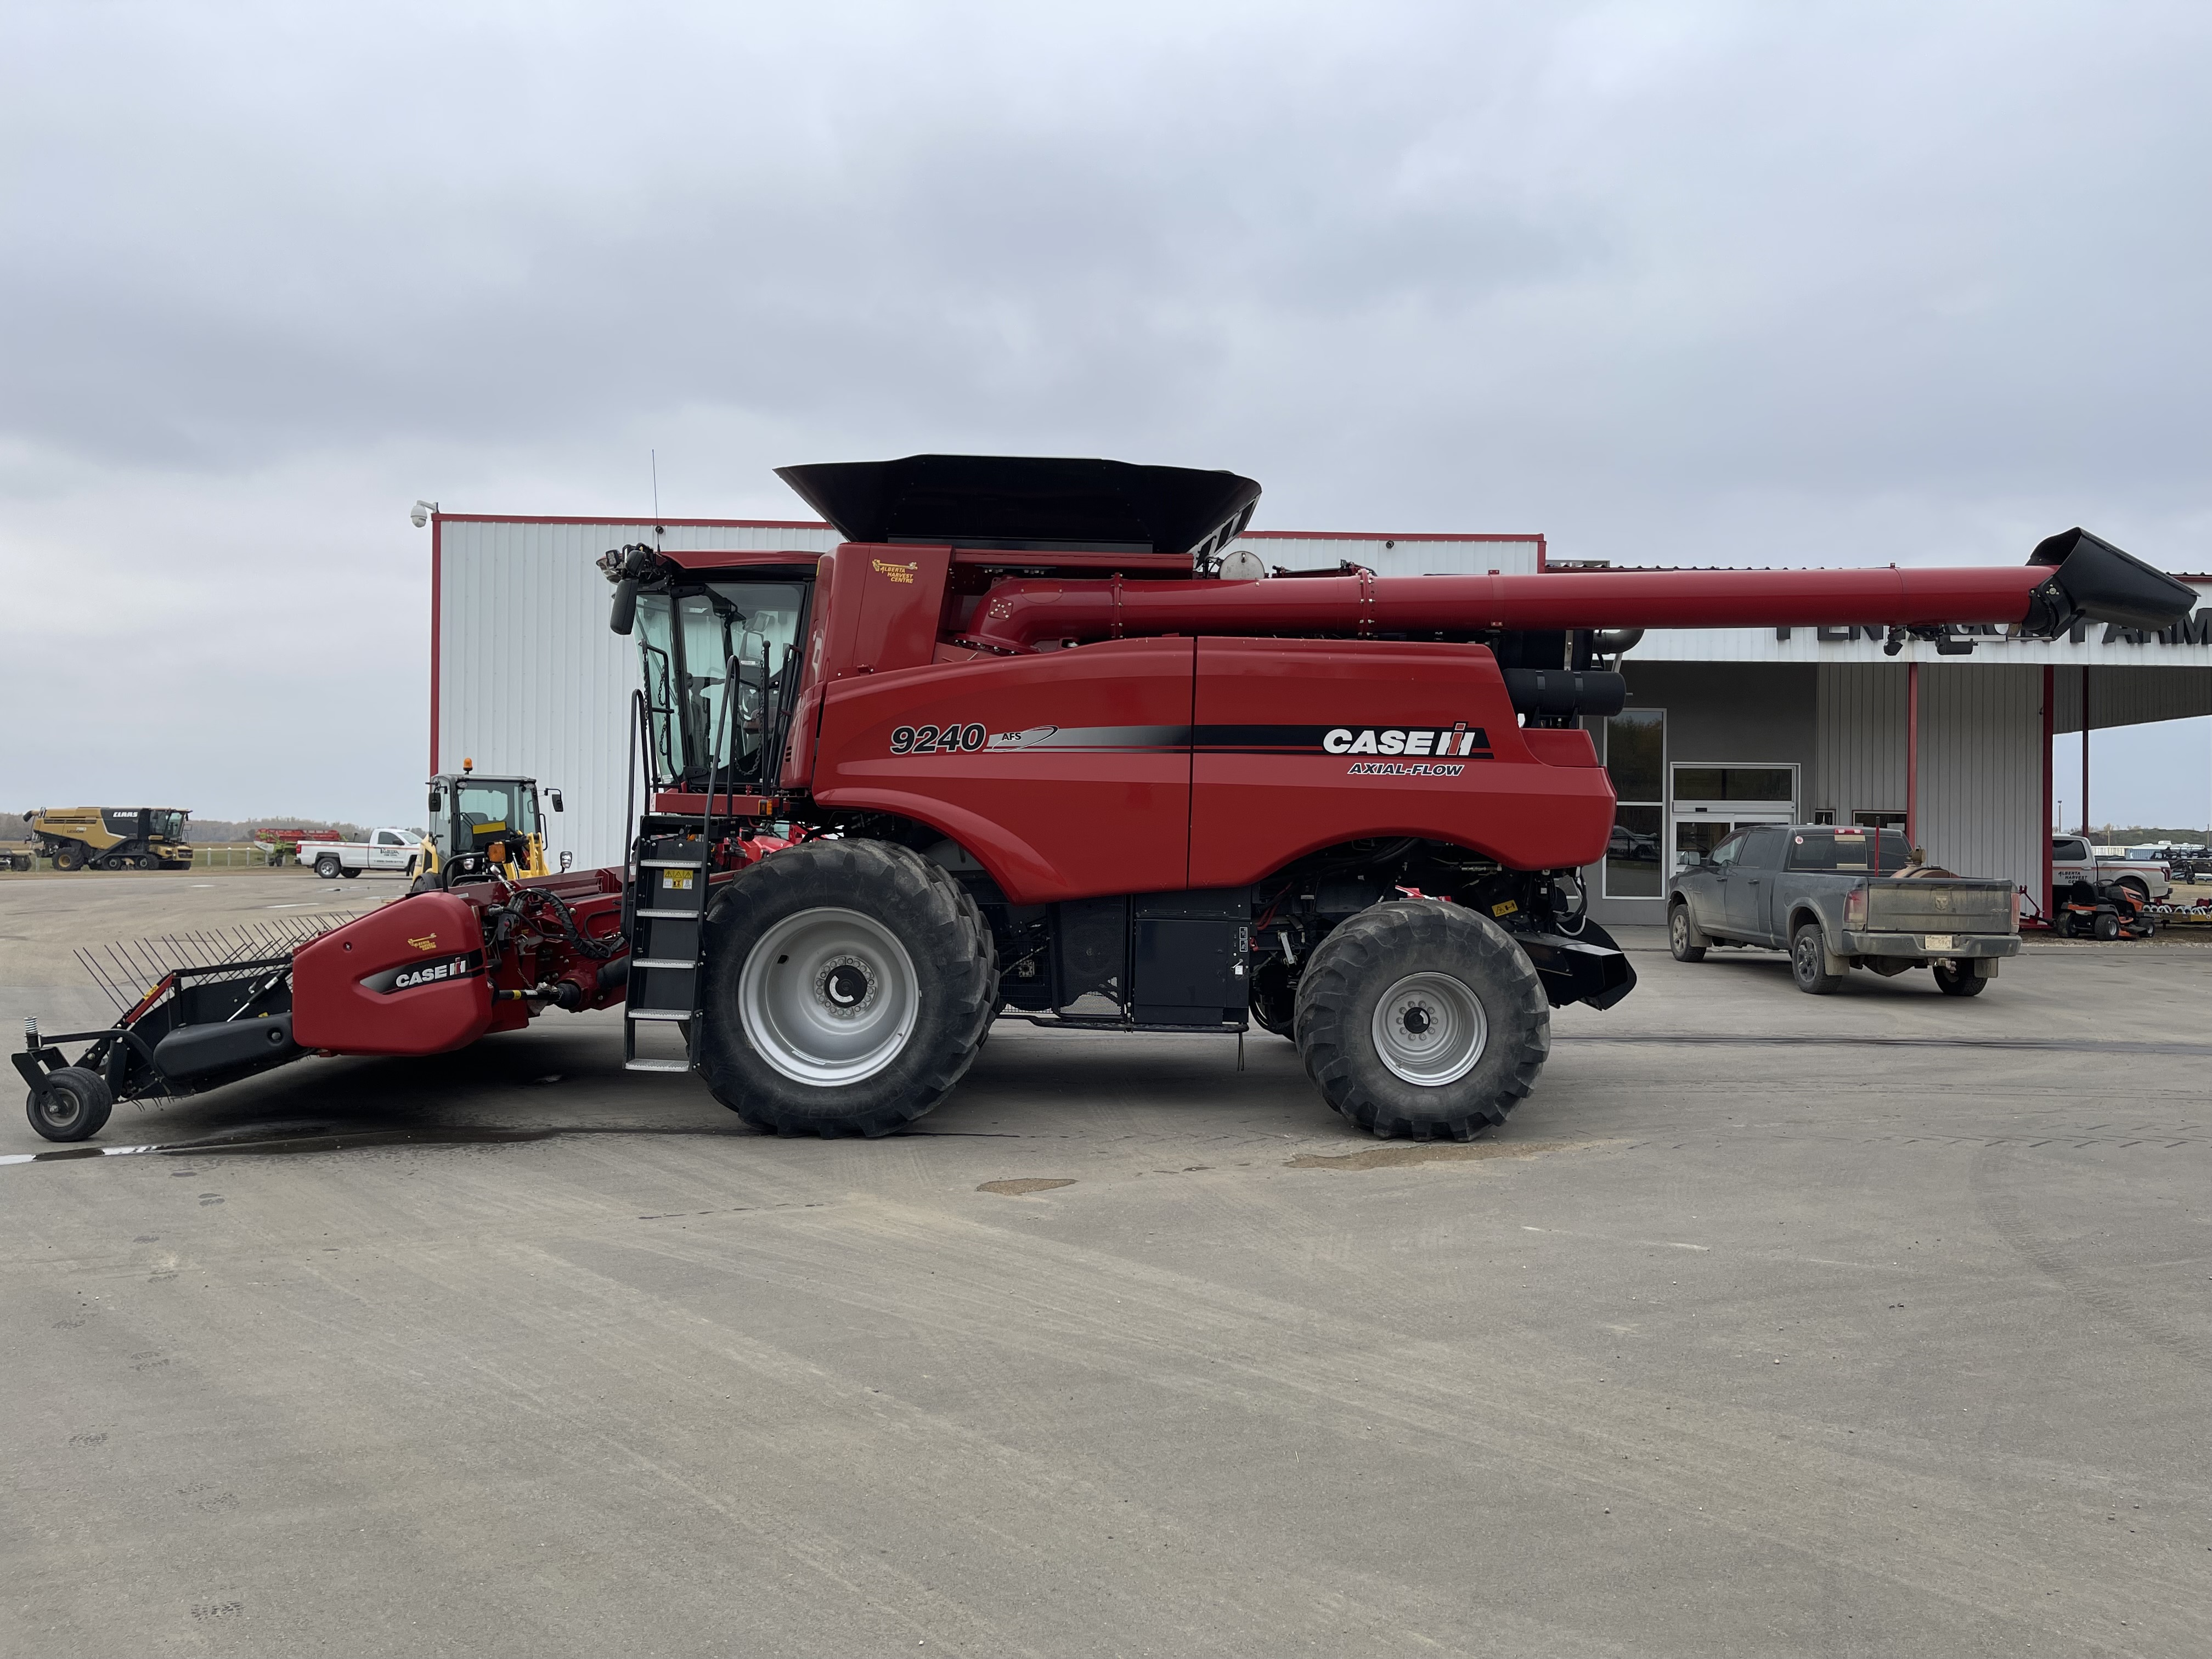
(422, 514)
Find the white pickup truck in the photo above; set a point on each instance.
(2073, 859)
(397, 850)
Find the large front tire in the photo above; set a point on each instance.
(1420, 1019)
(847, 985)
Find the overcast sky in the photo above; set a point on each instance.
(1699, 283)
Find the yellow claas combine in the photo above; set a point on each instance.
(112, 837)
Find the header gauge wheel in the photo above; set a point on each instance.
(75, 1106)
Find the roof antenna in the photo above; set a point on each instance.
(655, 456)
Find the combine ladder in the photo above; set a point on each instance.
(665, 946)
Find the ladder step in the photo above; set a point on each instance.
(662, 962)
(656, 1066)
(670, 916)
(672, 864)
(660, 1013)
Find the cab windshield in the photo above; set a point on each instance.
(169, 826)
(490, 809)
(717, 661)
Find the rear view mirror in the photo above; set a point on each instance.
(553, 795)
(437, 802)
(623, 615)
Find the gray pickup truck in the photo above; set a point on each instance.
(1839, 898)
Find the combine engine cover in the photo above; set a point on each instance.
(406, 980)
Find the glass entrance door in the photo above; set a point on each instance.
(1706, 803)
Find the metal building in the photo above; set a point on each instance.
(1723, 726)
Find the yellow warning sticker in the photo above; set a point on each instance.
(1505, 909)
(676, 879)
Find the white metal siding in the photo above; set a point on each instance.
(1858, 763)
(1981, 771)
(532, 681)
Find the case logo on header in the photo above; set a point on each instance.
(428, 973)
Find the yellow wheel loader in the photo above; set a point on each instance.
(112, 837)
(491, 817)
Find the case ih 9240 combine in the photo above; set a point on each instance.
(1013, 748)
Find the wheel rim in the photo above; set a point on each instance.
(1429, 1028)
(62, 1108)
(1679, 924)
(1808, 963)
(828, 997)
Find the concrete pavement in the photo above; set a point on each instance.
(1769, 1324)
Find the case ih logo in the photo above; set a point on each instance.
(1461, 740)
(897, 573)
(428, 973)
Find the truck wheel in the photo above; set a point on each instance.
(847, 987)
(1955, 979)
(1678, 936)
(1808, 963)
(1419, 1018)
(328, 868)
(75, 1105)
(350, 872)
(2141, 889)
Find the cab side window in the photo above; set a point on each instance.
(1763, 849)
(1729, 851)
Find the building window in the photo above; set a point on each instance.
(1636, 757)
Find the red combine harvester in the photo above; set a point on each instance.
(1016, 749)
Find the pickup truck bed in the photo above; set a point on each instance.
(1828, 897)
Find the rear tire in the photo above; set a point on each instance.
(1809, 961)
(350, 872)
(328, 868)
(71, 857)
(1678, 936)
(76, 1106)
(1958, 980)
(848, 984)
(1419, 1018)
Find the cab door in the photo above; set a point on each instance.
(1750, 899)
